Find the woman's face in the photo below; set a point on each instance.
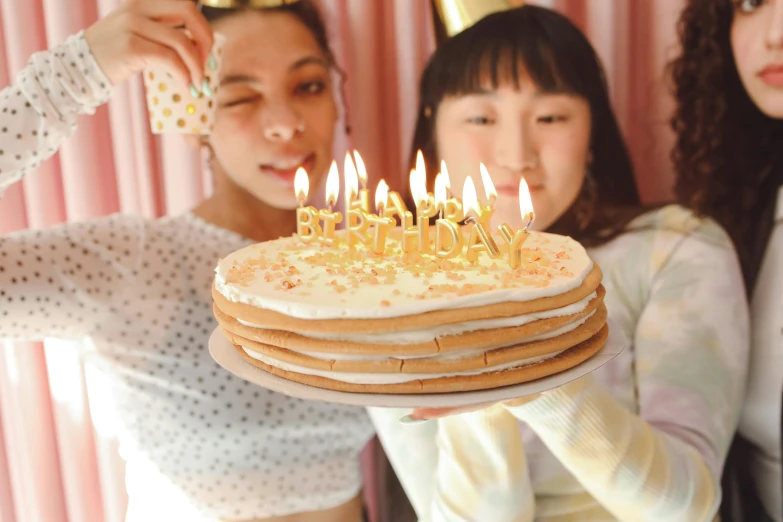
(517, 133)
(757, 42)
(276, 110)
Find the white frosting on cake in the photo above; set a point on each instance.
(428, 334)
(388, 378)
(312, 281)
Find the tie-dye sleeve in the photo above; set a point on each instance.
(690, 348)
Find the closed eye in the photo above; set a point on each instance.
(480, 120)
(551, 118)
(240, 101)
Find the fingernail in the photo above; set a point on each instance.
(212, 62)
(193, 91)
(410, 420)
(206, 89)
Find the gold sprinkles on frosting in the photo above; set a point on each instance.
(349, 270)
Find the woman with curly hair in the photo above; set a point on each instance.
(728, 85)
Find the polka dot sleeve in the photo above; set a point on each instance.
(65, 280)
(38, 111)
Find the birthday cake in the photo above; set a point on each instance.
(376, 308)
(348, 320)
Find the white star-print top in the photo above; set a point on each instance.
(207, 444)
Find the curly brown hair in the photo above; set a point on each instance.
(727, 152)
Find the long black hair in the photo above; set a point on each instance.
(558, 58)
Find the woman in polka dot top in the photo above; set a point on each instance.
(200, 444)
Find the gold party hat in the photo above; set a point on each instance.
(233, 4)
(458, 15)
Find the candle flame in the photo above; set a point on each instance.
(301, 184)
(418, 186)
(332, 184)
(421, 168)
(381, 196)
(351, 179)
(489, 187)
(361, 170)
(469, 198)
(440, 190)
(525, 203)
(445, 172)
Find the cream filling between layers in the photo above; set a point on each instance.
(389, 378)
(428, 334)
(448, 356)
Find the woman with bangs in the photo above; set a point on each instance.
(645, 437)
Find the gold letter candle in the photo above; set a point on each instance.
(480, 240)
(306, 217)
(485, 212)
(514, 241)
(518, 238)
(357, 227)
(381, 225)
(452, 208)
(307, 224)
(364, 195)
(329, 217)
(448, 239)
(396, 206)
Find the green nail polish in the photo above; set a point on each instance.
(410, 420)
(194, 92)
(212, 62)
(206, 89)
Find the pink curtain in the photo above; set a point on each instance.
(58, 455)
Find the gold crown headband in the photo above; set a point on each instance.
(458, 15)
(233, 4)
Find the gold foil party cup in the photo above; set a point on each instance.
(178, 109)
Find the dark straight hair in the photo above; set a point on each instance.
(557, 57)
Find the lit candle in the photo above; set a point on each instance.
(480, 240)
(364, 194)
(452, 209)
(485, 212)
(381, 225)
(418, 237)
(515, 240)
(351, 182)
(306, 217)
(448, 238)
(328, 217)
(396, 207)
(356, 224)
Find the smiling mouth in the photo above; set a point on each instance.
(285, 170)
